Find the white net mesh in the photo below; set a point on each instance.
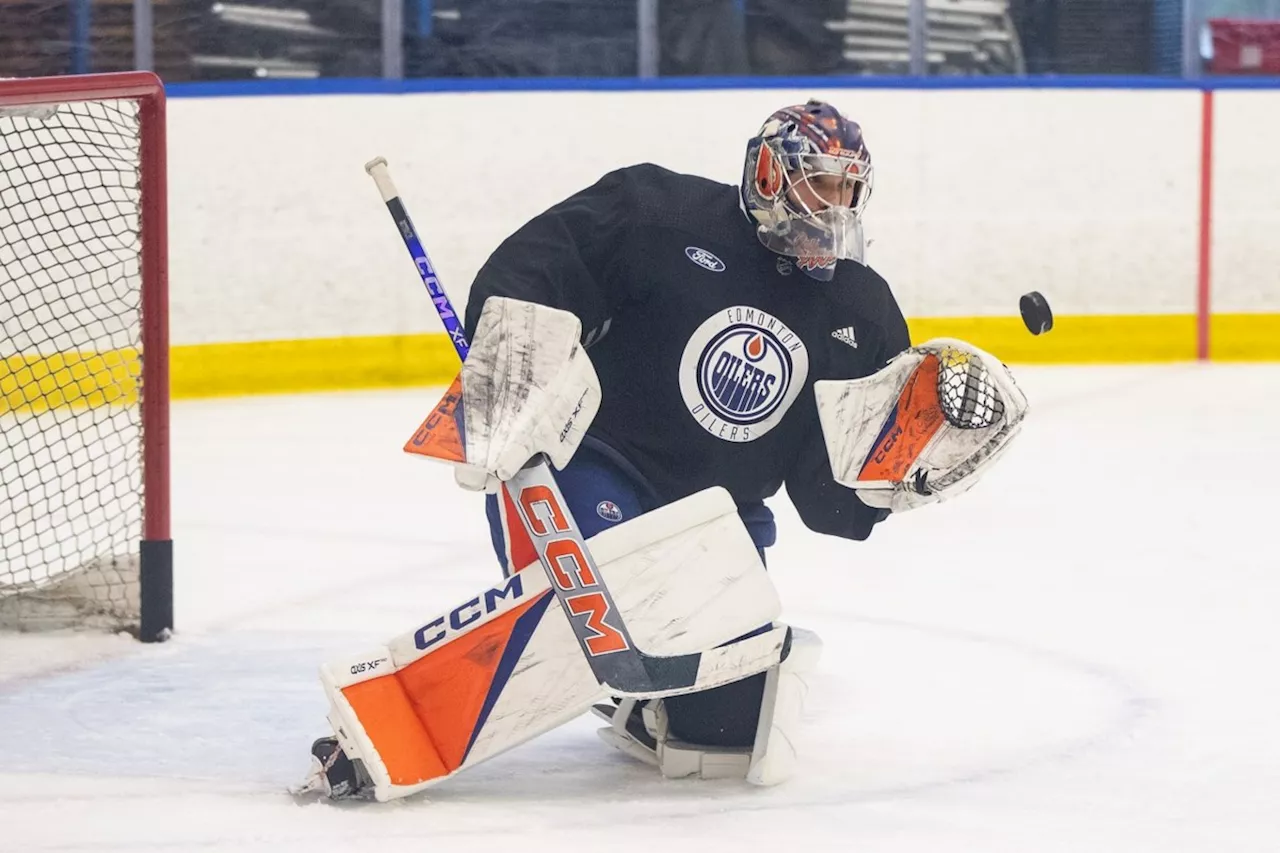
(71, 496)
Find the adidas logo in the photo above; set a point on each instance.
(845, 336)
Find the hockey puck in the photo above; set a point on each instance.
(1035, 312)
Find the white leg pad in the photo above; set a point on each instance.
(773, 757)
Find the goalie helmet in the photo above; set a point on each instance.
(806, 181)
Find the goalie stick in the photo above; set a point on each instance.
(621, 667)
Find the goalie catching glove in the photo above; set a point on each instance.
(924, 428)
(529, 388)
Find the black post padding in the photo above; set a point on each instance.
(156, 575)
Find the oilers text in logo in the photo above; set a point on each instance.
(704, 259)
(740, 372)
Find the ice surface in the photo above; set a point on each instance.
(1078, 655)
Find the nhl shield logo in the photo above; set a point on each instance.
(740, 372)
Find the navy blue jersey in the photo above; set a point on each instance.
(707, 344)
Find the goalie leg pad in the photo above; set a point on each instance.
(456, 698)
(773, 755)
(505, 666)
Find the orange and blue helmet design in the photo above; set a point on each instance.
(810, 144)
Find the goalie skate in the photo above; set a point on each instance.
(333, 774)
(627, 731)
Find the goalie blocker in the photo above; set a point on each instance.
(505, 666)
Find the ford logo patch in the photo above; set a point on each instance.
(704, 259)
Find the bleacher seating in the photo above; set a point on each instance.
(36, 37)
(964, 37)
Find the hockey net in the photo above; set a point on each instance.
(84, 515)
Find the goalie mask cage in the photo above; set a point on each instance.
(84, 374)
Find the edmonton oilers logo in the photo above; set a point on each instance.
(743, 374)
(609, 511)
(742, 369)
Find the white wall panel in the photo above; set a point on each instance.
(1246, 210)
(1089, 196)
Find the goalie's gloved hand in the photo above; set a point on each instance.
(924, 428)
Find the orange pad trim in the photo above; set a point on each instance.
(384, 710)
(449, 687)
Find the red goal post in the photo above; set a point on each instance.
(84, 358)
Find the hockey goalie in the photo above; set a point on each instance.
(677, 350)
